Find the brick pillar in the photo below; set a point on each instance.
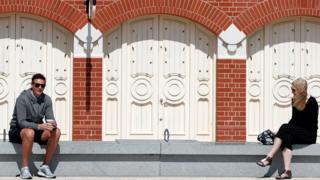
(87, 99)
(231, 101)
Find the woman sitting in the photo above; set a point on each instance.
(301, 129)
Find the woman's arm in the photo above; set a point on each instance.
(313, 112)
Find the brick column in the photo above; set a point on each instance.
(231, 101)
(87, 99)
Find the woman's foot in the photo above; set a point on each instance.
(265, 161)
(287, 174)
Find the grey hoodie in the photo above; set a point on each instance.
(30, 110)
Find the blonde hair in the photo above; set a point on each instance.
(299, 99)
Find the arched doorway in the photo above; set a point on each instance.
(29, 45)
(159, 74)
(277, 54)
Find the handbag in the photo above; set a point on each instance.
(266, 137)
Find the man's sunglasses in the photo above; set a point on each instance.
(37, 85)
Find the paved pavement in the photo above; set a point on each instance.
(156, 178)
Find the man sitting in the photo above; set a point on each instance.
(27, 126)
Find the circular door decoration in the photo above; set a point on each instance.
(203, 89)
(314, 88)
(255, 90)
(112, 89)
(282, 91)
(174, 90)
(61, 89)
(26, 84)
(141, 89)
(3, 88)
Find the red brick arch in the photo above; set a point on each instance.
(196, 10)
(270, 10)
(55, 10)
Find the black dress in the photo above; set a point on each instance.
(303, 126)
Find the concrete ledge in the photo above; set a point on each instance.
(158, 158)
(202, 148)
(90, 147)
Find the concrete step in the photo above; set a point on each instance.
(126, 158)
(156, 178)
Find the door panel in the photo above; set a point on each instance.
(61, 69)
(112, 103)
(7, 29)
(153, 56)
(201, 96)
(174, 81)
(310, 48)
(255, 81)
(141, 86)
(310, 30)
(285, 37)
(30, 47)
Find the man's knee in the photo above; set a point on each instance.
(57, 133)
(27, 134)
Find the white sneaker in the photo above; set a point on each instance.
(44, 171)
(25, 173)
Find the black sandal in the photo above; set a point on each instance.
(287, 174)
(267, 159)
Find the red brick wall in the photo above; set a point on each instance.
(269, 10)
(199, 11)
(233, 7)
(56, 10)
(87, 99)
(216, 15)
(231, 101)
(79, 4)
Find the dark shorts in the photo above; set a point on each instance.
(14, 136)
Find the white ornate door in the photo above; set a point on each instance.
(310, 51)
(30, 50)
(174, 77)
(147, 80)
(59, 73)
(278, 54)
(285, 63)
(202, 84)
(35, 45)
(7, 62)
(141, 74)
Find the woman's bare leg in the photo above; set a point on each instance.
(276, 146)
(287, 157)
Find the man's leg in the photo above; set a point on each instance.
(27, 137)
(53, 140)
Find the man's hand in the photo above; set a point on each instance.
(46, 126)
(53, 122)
